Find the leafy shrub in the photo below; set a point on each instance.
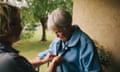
(107, 59)
(27, 35)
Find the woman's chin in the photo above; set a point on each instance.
(63, 39)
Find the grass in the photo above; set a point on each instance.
(31, 47)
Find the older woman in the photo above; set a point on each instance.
(74, 50)
(10, 29)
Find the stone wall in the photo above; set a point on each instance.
(100, 19)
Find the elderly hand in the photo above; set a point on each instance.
(49, 57)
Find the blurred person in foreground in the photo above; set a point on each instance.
(73, 50)
(10, 29)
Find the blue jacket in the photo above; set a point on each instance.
(80, 53)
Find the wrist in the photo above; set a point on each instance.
(44, 61)
(53, 63)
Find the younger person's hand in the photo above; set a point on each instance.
(57, 60)
(37, 62)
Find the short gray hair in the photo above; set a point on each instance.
(59, 18)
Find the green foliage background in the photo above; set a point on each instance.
(38, 9)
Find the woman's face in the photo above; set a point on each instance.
(63, 34)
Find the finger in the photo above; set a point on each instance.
(59, 54)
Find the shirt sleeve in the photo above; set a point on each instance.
(50, 50)
(89, 56)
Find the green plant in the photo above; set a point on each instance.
(27, 35)
(107, 59)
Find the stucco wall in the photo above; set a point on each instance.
(101, 20)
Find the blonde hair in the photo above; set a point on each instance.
(59, 18)
(10, 17)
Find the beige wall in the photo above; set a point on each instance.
(101, 20)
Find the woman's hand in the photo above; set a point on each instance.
(49, 57)
(56, 61)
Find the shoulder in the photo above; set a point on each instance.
(81, 33)
(10, 58)
(6, 57)
(7, 62)
(15, 62)
(55, 41)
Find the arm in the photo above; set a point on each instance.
(52, 67)
(37, 62)
(44, 56)
(89, 56)
(56, 61)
